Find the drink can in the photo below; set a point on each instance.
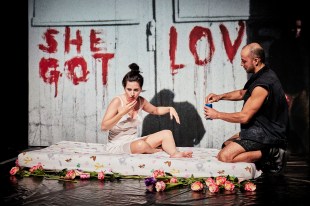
(209, 105)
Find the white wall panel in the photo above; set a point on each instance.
(211, 10)
(193, 82)
(90, 12)
(68, 111)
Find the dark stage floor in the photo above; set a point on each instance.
(292, 188)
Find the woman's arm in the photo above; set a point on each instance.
(149, 108)
(115, 112)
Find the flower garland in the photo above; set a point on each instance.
(161, 181)
(67, 175)
(158, 181)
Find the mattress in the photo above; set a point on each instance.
(94, 157)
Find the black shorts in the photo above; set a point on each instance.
(273, 158)
(250, 145)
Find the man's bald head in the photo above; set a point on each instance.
(254, 50)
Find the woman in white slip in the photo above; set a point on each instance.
(123, 116)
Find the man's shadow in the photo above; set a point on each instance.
(187, 134)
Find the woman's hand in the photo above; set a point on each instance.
(115, 112)
(174, 114)
(128, 107)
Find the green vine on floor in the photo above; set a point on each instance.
(158, 181)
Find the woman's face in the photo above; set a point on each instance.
(132, 91)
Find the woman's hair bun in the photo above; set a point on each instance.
(134, 67)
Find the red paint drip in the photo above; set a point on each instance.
(173, 47)
(231, 49)
(105, 60)
(196, 34)
(49, 73)
(72, 65)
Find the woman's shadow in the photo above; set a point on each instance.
(187, 134)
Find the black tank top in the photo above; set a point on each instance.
(270, 124)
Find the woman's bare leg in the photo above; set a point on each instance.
(166, 140)
(142, 147)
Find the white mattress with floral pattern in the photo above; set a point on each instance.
(93, 157)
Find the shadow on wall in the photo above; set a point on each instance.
(187, 134)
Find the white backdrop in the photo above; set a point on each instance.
(79, 52)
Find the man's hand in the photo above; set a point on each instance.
(212, 98)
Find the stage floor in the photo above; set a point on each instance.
(292, 188)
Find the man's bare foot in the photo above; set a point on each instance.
(186, 154)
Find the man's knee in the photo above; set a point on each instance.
(224, 157)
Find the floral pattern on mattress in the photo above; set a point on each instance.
(93, 157)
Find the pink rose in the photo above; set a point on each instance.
(33, 168)
(36, 167)
(220, 180)
(158, 173)
(173, 180)
(84, 175)
(197, 186)
(14, 170)
(250, 186)
(160, 186)
(16, 163)
(70, 175)
(213, 188)
(209, 181)
(229, 186)
(101, 175)
(39, 166)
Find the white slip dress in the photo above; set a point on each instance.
(124, 132)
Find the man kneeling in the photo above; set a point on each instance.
(263, 118)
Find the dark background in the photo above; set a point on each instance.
(14, 78)
(269, 22)
(272, 24)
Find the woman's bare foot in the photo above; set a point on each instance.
(186, 154)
